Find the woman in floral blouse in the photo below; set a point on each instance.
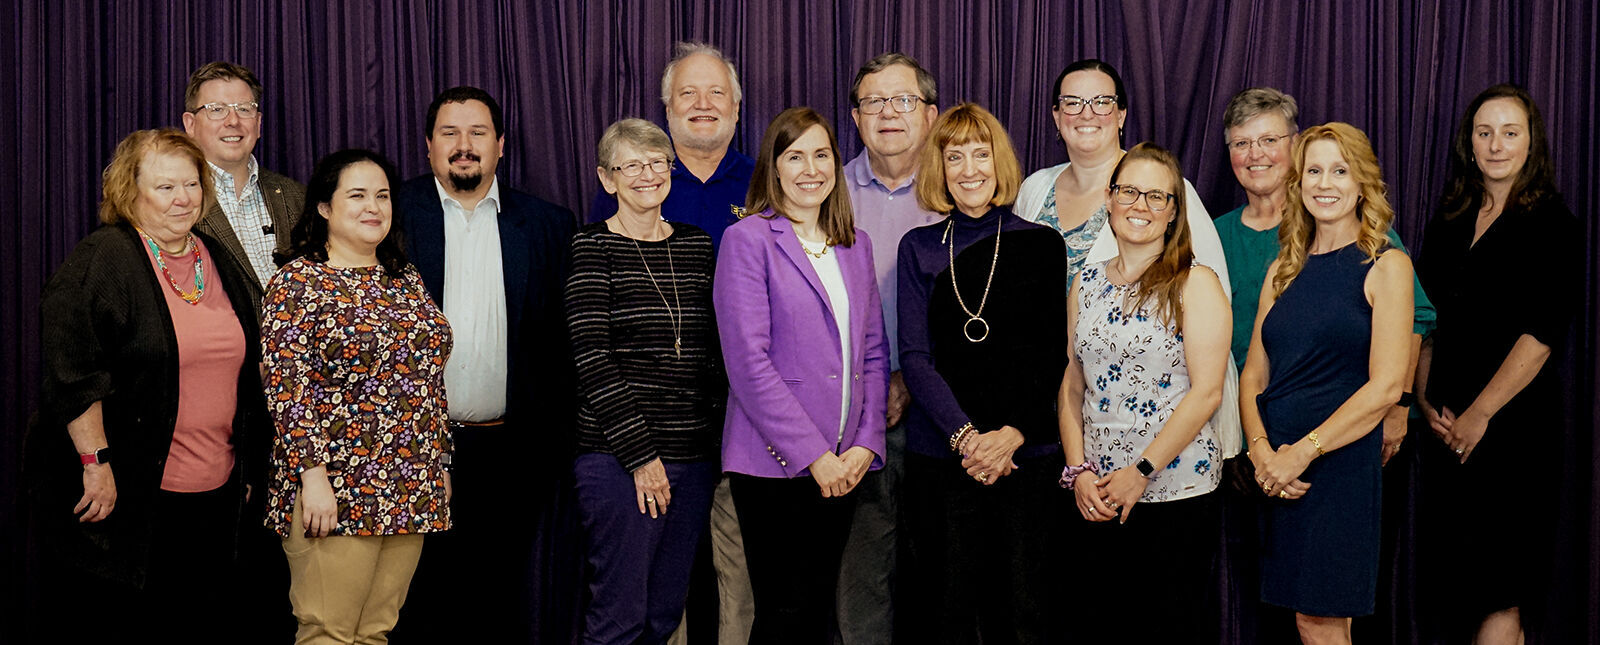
(1149, 332)
(355, 352)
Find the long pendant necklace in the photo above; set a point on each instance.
(199, 267)
(966, 328)
(672, 273)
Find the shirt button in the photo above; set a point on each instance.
(833, 376)
(891, 198)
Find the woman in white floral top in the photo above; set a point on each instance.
(1149, 332)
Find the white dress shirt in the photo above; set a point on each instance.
(475, 304)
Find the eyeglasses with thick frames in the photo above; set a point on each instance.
(1073, 105)
(219, 111)
(902, 104)
(1266, 141)
(1158, 199)
(636, 168)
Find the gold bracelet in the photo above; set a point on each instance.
(1253, 441)
(1316, 444)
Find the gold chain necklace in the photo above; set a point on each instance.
(672, 273)
(818, 255)
(966, 328)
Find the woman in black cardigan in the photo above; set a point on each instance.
(150, 424)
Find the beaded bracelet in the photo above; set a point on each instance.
(960, 437)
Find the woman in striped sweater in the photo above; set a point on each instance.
(651, 391)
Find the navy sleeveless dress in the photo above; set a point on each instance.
(1320, 552)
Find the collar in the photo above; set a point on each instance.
(859, 170)
(220, 175)
(732, 161)
(493, 196)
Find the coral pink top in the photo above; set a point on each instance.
(210, 353)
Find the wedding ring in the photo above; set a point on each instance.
(983, 477)
(649, 500)
(1284, 494)
(1459, 451)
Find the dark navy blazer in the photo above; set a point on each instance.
(535, 236)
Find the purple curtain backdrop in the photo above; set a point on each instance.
(78, 76)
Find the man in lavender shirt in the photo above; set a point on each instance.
(895, 102)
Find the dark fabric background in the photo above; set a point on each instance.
(77, 76)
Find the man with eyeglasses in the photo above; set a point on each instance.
(254, 211)
(494, 259)
(255, 208)
(894, 103)
(701, 91)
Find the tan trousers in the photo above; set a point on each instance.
(348, 589)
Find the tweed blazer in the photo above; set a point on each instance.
(285, 198)
(780, 343)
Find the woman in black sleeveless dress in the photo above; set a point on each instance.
(1327, 360)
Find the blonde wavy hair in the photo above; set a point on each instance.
(1372, 208)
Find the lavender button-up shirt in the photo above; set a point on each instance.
(885, 215)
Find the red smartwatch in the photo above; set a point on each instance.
(101, 456)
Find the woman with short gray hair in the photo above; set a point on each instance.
(650, 392)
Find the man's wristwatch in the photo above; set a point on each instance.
(1146, 468)
(101, 456)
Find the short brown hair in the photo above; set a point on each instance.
(121, 177)
(218, 71)
(926, 85)
(965, 124)
(837, 220)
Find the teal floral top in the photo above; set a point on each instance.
(1080, 238)
(355, 382)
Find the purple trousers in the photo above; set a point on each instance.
(639, 566)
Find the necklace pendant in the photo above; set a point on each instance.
(966, 329)
(677, 347)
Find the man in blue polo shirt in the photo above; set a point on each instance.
(700, 88)
(894, 102)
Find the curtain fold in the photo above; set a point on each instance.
(78, 76)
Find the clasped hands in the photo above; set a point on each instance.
(1460, 433)
(1278, 471)
(986, 456)
(837, 475)
(1110, 497)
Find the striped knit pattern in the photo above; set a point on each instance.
(637, 400)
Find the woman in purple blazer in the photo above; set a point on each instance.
(803, 339)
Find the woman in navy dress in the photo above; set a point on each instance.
(1327, 360)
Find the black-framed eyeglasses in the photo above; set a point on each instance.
(1266, 141)
(219, 111)
(902, 104)
(1073, 105)
(1158, 199)
(636, 168)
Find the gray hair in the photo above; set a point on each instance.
(685, 49)
(926, 85)
(1252, 102)
(639, 133)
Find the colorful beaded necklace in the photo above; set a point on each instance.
(199, 268)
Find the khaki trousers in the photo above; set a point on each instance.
(348, 589)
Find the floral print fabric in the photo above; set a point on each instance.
(1135, 375)
(1080, 239)
(355, 381)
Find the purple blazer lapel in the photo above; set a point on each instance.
(789, 242)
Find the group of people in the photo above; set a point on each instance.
(911, 396)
